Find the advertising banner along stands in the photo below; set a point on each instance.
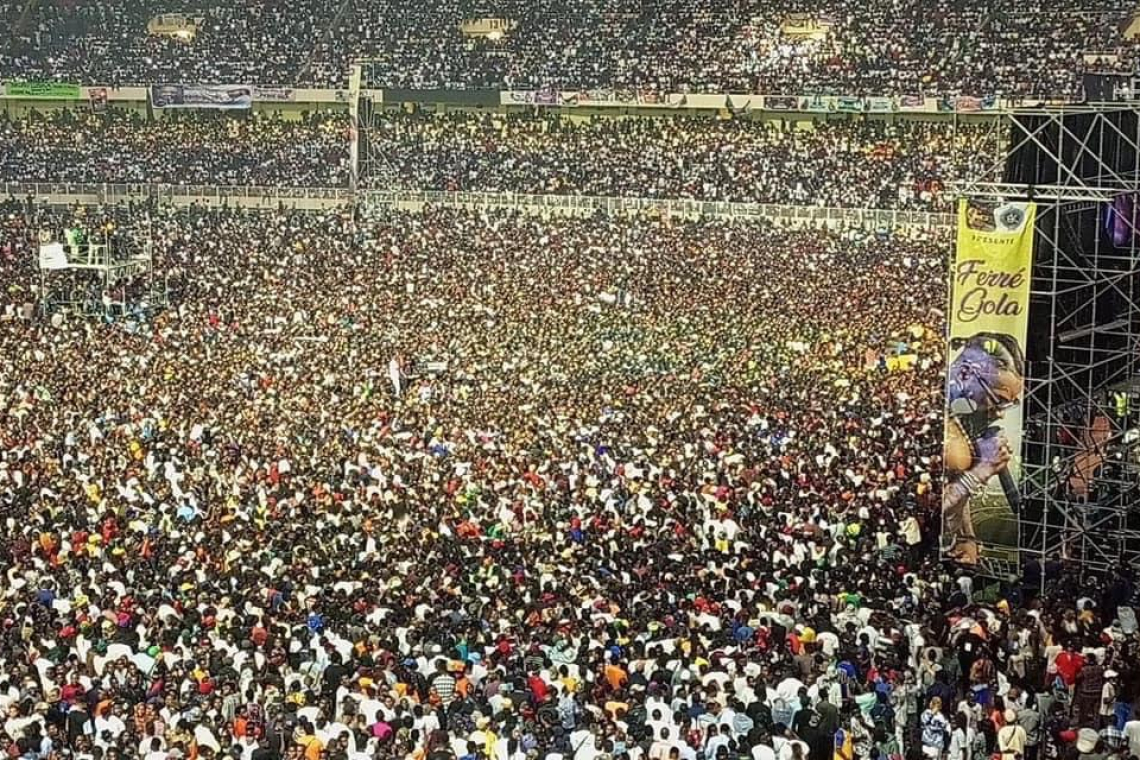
(43, 90)
(223, 96)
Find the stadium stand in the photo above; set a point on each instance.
(881, 48)
(852, 163)
(839, 162)
(389, 483)
(191, 147)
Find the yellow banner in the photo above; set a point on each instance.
(985, 381)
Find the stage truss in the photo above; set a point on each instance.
(369, 164)
(1080, 470)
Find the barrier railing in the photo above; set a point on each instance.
(681, 207)
(241, 195)
(252, 196)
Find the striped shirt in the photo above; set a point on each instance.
(444, 685)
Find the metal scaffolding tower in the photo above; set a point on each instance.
(108, 274)
(369, 164)
(1080, 487)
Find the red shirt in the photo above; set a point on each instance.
(538, 688)
(1069, 666)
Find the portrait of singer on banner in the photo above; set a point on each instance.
(989, 314)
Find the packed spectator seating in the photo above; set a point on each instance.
(185, 148)
(108, 43)
(945, 46)
(723, 46)
(837, 162)
(479, 485)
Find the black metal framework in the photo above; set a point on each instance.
(369, 166)
(1080, 484)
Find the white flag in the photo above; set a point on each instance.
(52, 256)
(394, 375)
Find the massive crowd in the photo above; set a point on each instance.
(838, 162)
(881, 47)
(847, 162)
(487, 486)
(185, 148)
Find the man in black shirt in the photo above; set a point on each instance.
(264, 751)
(808, 726)
(333, 674)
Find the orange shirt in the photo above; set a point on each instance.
(615, 677)
(313, 747)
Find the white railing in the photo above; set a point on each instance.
(889, 218)
(252, 196)
(211, 195)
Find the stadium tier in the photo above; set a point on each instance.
(184, 148)
(839, 163)
(881, 48)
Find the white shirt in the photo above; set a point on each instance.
(960, 743)
(714, 743)
(582, 745)
(786, 750)
(789, 690)
(1132, 734)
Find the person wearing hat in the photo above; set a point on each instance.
(1011, 738)
(1089, 745)
(1108, 697)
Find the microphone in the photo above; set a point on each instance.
(1008, 484)
(1012, 494)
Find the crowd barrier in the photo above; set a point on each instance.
(316, 198)
(583, 204)
(243, 196)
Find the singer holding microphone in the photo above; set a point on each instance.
(984, 380)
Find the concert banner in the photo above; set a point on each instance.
(985, 381)
(52, 256)
(516, 97)
(224, 96)
(355, 79)
(881, 105)
(547, 96)
(781, 103)
(912, 103)
(966, 104)
(275, 94)
(43, 90)
(739, 105)
(819, 103)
